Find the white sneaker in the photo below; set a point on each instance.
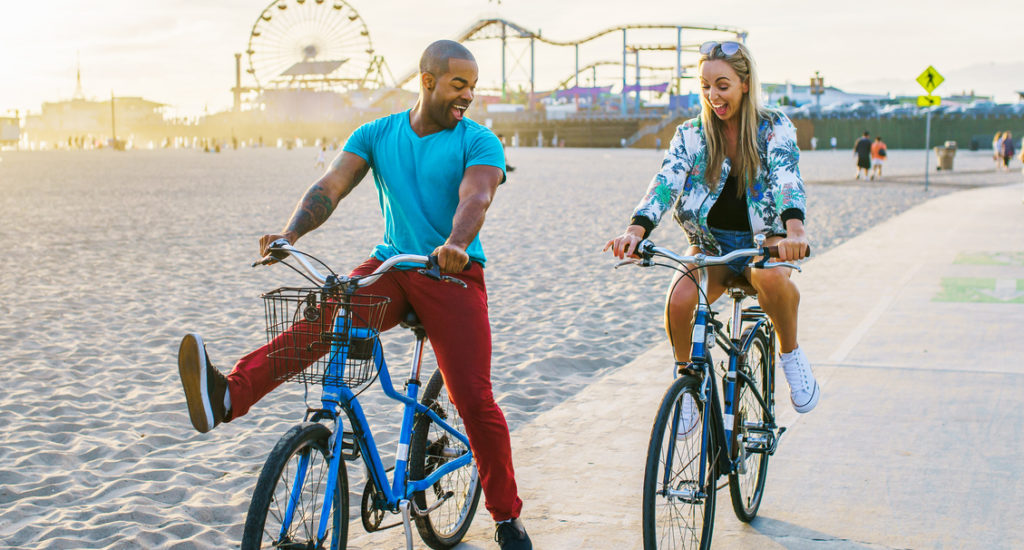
(689, 418)
(803, 388)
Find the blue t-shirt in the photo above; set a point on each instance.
(418, 179)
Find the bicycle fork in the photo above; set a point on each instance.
(702, 340)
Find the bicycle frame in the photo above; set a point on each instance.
(706, 332)
(341, 397)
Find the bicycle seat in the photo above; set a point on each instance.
(411, 321)
(741, 285)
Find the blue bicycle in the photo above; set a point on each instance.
(697, 437)
(301, 498)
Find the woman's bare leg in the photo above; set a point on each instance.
(681, 303)
(779, 298)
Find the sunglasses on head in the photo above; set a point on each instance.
(728, 48)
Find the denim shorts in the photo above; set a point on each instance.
(729, 240)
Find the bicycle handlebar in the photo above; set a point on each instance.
(281, 249)
(647, 250)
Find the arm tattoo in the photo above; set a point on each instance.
(314, 209)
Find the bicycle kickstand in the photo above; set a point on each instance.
(403, 505)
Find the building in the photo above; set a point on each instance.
(795, 94)
(10, 131)
(81, 122)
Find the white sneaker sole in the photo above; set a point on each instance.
(192, 370)
(811, 403)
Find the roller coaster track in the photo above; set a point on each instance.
(565, 83)
(489, 29)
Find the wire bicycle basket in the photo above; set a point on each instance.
(318, 336)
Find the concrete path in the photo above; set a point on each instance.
(914, 331)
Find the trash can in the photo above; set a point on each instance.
(945, 155)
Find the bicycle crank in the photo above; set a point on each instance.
(372, 509)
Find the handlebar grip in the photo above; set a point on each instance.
(773, 251)
(643, 248)
(275, 253)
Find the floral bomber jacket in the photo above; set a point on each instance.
(776, 194)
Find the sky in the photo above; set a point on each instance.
(181, 52)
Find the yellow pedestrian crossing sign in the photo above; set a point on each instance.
(928, 100)
(930, 79)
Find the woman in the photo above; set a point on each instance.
(732, 173)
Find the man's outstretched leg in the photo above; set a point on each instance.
(213, 398)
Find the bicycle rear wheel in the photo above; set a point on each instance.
(679, 507)
(746, 483)
(432, 446)
(304, 448)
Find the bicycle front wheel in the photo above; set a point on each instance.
(432, 446)
(289, 496)
(680, 480)
(746, 482)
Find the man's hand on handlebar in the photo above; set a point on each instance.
(265, 244)
(451, 258)
(624, 245)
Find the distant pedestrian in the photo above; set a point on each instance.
(814, 143)
(508, 167)
(1008, 150)
(862, 150)
(1022, 160)
(997, 150)
(834, 142)
(321, 159)
(878, 154)
(657, 143)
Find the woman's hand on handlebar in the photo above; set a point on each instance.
(625, 245)
(795, 245)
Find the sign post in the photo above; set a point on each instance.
(817, 87)
(929, 80)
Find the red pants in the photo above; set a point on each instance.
(459, 330)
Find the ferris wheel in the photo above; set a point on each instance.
(322, 44)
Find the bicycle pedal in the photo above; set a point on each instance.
(349, 449)
(775, 443)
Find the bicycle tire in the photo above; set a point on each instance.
(445, 526)
(664, 517)
(275, 485)
(746, 488)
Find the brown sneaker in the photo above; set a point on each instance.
(204, 385)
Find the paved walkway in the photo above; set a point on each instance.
(913, 328)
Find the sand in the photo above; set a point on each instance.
(111, 257)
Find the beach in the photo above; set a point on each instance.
(112, 257)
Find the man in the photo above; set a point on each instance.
(862, 150)
(436, 173)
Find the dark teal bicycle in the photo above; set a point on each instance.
(701, 434)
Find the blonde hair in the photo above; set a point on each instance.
(751, 111)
